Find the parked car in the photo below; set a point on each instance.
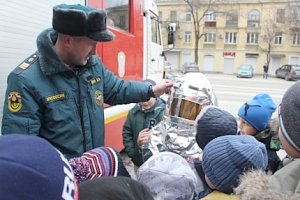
(288, 72)
(245, 70)
(190, 67)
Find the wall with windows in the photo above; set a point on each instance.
(234, 34)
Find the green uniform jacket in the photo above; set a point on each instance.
(136, 121)
(45, 97)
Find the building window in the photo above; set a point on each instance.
(155, 30)
(295, 15)
(210, 16)
(280, 15)
(188, 37)
(296, 12)
(253, 19)
(230, 37)
(188, 17)
(296, 38)
(210, 19)
(118, 14)
(232, 18)
(278, 38)
(252, 38)
(173, 16)
(210, 38)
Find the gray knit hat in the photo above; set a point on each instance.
(227, 157)
(289, 117)
(213, 122)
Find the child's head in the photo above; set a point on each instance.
(289, 121)
(114, 188)
(213, 122)
(255, 114)
(169, 176)
(146, 105)
(98, 162)
(227, 157)
(31, 168)
(151, 102)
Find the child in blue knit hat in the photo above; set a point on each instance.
(226, 158)
(254, 117)
(284, 184)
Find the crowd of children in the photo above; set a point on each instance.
(238, 160)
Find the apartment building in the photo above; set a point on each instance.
(233, 32)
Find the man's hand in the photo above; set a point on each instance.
(163, 87)
(144, 137)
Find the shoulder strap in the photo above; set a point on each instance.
(28, 61)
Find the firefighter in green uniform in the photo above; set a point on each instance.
(59, 91)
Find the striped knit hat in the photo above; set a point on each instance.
(225, 158)
(98, 162)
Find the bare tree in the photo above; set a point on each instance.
(272, 34)
(198, 9)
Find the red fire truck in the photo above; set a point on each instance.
(136, 53)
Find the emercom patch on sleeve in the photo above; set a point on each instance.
(14, 101)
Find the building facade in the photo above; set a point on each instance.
(233, 32)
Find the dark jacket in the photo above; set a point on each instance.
(137, 120)
(206, 189)
(266, 68)
(273, 145)
(49, 99)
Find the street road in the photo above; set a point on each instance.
(232, 92)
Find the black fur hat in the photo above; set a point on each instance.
(79, 20)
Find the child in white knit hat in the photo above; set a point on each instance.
(169, 176)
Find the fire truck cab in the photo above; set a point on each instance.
(136, 53)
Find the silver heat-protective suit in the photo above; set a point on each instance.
(176, 132)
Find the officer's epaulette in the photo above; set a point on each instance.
(27, 63)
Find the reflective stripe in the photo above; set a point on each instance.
(285, 134)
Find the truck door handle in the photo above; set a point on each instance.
(152, 60)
